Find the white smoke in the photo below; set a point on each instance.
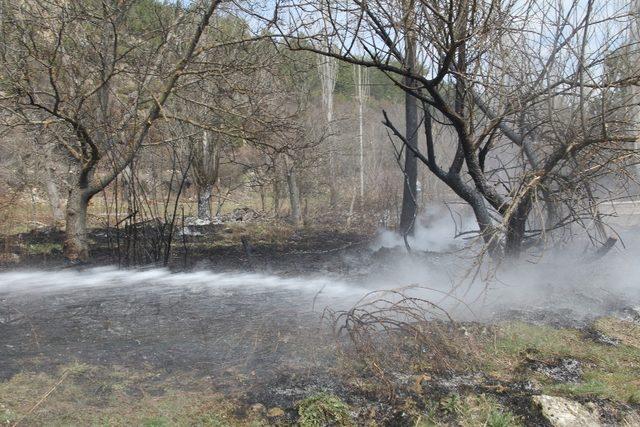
(568, 279)
(438, 229)
(17, 282)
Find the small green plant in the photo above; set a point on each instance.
(323, 409)
(634, 398)
(451, 404)
(7, 417)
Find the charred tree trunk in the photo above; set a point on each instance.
(409, 205)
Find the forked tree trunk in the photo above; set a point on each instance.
(76, 246)
(204, 203)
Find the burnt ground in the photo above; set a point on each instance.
(217, 332)
(260, 340)
(223, 247)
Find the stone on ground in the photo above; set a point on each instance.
(561, 412)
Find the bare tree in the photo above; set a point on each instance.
(540, 127)
(87, 67)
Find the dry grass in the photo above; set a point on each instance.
(82, 395)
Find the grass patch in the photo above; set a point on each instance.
(475, 410)
(42, 248)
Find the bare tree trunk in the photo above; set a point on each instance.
(55, 201)
(409, 207)
(361, 81)
(294, 196)
(206, 166)
(262, 199)
(204, 203)
(276, 197)
(328, 72)
(76, 247)
(333, 191)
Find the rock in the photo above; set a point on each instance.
(192, 220)
(275, 412)
(187, 231)
(243, 214)
(561, 412)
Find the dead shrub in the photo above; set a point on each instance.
(395, 335)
